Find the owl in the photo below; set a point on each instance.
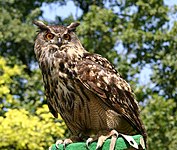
(95, 102)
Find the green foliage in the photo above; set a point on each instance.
(17, 32)
(165, 72)
(21, 130)
(6, 74)
(148, 36)
(94, 26)
(161, 124)
(131, 34)
(30, 90)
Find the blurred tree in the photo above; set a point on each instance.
(161, 122)
(7, 74)
(131, 34)
(32, 130)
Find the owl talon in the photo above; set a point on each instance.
(100, 142)
(66, 142)
(89, 140)
(113, 134)
(58, 142)
(114, 137)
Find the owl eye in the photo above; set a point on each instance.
(49, 36)
(66, 36)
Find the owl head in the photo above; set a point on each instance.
(55, 37)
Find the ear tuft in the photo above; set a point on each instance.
(41, 25)
(73, 26)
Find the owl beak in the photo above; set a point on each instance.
(59, 41)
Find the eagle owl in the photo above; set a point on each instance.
(85, 89)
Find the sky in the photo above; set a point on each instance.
(52, 10)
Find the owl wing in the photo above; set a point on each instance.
(99, 76)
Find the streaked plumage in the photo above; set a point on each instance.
(84, 88)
